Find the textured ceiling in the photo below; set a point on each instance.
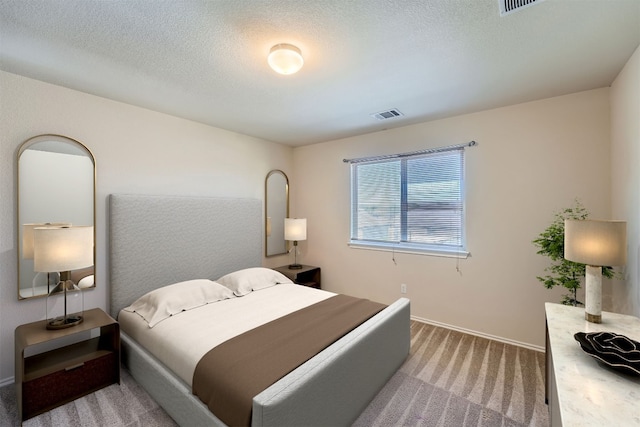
(205, 60)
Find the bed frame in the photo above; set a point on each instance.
(159, 240)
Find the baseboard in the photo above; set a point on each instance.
(480, 334)
(7, 381)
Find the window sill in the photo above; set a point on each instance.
(386, 247)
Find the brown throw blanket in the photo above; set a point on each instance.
(228, 377)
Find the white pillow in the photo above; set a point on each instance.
(167, 301)
(86, 282)
(242, 282)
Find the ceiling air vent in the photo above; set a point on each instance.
(509, 6)
(388, 114)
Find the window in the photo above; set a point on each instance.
(412, 202)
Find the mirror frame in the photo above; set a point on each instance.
(21, 149)
(266, 210)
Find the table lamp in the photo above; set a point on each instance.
(27, 251)
(595, 244)
(62, 250)
(295, 229)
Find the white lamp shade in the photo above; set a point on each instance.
(295, 229)
(285, 59)
(595, 243)
(27, 235)
(62, 249)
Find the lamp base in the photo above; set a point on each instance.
(295, 266)
(65, 322)
(593, 318)
(593, 294)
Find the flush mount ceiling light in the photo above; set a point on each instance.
(285, 58)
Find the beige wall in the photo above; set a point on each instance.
(532, 160)
(625, 148)
(136, 151)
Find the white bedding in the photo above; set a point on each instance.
(181, 340)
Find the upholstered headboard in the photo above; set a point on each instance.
(159, 240)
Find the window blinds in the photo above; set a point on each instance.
(413, 201)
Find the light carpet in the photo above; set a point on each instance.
(124, 404)
(455, 379)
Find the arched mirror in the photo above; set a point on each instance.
(276, 209)
(56, 187)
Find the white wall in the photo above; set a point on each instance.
(136, 151)
(531, 161)
(625, 143)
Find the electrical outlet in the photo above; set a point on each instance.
(403, 288)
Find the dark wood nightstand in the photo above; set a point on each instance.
(308, 275)
(55, 377)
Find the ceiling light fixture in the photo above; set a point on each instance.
(285, 58)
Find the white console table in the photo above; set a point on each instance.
(580, 391)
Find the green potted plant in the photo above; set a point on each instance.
(562, 272)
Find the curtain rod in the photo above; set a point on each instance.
(412, 153)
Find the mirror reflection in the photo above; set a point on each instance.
(56, 188)
(276, 202)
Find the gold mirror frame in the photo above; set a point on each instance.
(49, 191)
(276, 209)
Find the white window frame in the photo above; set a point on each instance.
(404, 246)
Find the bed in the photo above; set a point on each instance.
(156, 241)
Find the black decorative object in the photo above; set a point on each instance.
(616, 351)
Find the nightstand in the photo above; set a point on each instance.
(308, 275)
(55, 377)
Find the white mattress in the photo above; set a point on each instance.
(181, 340)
